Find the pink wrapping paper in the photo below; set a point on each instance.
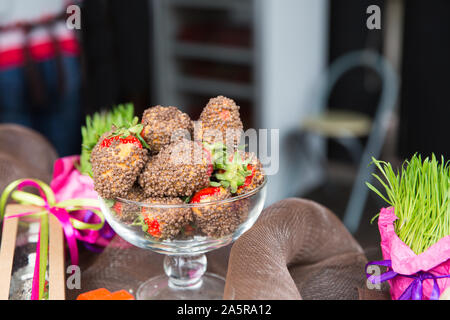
(404, 261)
(69, 183)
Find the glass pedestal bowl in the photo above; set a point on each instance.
(210, 225)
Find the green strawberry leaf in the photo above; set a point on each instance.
(225, 184)
(144, 143)
(136, 129)
(109, 202)
(186, 199)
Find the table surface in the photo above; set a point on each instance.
(123, 266)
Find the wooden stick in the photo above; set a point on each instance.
(7, 255)
(56, 253)
(56, 261)
(8, 245)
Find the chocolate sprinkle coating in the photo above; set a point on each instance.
(160, 123)
(135, 193)
(258, 176)
(171, 220)
(178, 170)
(221, 115)
(116, 168)
(127, 212)
(218, 220)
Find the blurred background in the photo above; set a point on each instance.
(341, 80)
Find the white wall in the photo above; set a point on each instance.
(293, 40)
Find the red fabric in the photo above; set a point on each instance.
(42, 51)
(11, 58)
(15, 57)
(70, 46)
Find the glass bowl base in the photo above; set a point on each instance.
(210, 287)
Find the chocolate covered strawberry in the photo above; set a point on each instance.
(178, 170)
(219, 122)
(232, 172)
(164, 222)
(127, 212)
(218, 219)
(117, 160)
(164, 124)
(256, 176)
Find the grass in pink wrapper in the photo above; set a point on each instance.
(69, 183)
(434, 260)
(415, 239)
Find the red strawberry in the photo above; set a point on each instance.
(130, 139)
(132, 133)
(210, 152)
(153, 227)
(164, 223)
(189, 230)
(209, 160)
(253, 180)
(208, 194)
(142, 134)
(218, 219)
(151, 224)
(117, 207)
(216, 154)
(249, 178)
(232, 172)
(240, 172)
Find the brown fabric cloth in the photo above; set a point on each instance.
(367, 294)
(297, 249)
(24, 153)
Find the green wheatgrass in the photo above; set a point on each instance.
(98, 124)
(420, 195)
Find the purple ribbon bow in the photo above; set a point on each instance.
(415, 289)
(105, 232)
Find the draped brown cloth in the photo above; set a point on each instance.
(24, 153)
(297, 249)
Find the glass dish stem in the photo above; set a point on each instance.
(185, 271)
